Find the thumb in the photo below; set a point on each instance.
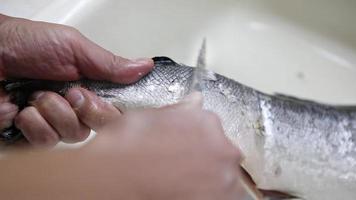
(96, 62)
(90, 109)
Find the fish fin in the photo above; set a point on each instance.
(264, 194)
(11, 135)
(277, 195)
(19, 97)
(293, 98)
(346, 108)
(20, 91)
(163, 60)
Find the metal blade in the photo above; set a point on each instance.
(252, 193)
(201, 61)
(199, 69)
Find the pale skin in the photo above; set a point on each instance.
(42, 50)
(175, 152)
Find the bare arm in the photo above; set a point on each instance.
(178, 152)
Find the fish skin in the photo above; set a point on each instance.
(299, 147)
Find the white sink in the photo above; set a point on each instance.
(303, 48)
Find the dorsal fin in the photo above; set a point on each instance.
(163, 60)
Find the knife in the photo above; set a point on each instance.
(252, 193)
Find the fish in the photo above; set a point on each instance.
(301, 148)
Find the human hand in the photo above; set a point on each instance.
(178, 152)
(175, 152)
(40, 50)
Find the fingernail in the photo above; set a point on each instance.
(36, 95)
(75, 98)
(140, 62)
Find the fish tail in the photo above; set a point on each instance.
(20, 91)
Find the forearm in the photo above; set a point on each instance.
(59, 175)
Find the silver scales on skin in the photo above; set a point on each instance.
(298, 147)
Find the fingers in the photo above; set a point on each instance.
(8, 112)
(92, 111)
(49, 120)
(35, 128)
(193, 103)
(52, 118)
(59, 114)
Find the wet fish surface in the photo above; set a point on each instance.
(294, 146)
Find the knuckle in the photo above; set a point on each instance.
(211, 117)
(90, 109)
(47, 99)
(23, 116)
(50, 96)
(70, 32)
(224, 178)
(69, 35)
(72, 29)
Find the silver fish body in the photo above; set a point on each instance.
(298, 147)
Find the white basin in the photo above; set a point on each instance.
(303, 48)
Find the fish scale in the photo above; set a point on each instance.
(298, 147)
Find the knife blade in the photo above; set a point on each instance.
(252, 193)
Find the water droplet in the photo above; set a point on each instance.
(140, 74)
